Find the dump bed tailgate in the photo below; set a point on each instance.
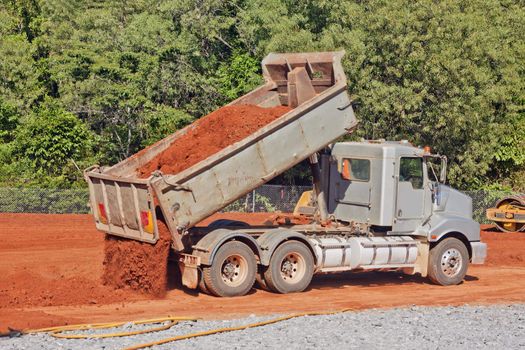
(122, 206)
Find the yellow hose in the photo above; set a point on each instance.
(231, 329)
(57, 332)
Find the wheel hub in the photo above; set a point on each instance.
(292, 267)
(234, 270)
(229, 270)
(451, 262)
(287, 267)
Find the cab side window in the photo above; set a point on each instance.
(356, 169)
(411, 170)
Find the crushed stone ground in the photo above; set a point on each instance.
(463, 327)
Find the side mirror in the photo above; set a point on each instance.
(443, 174)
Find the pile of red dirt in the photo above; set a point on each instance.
(48, 261)
(137, 265)
(30, 289)
(503, 248)
(211, 134)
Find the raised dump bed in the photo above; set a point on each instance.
(313, 84)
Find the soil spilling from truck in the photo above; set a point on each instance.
(211, 134)
(143, 266)
(137, 265)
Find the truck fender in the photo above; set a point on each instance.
(207, 247)
(271, 239)
(464, 229)
(443, 224)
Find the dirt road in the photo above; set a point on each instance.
(51, 266)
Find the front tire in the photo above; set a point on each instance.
(291, 268)
(232, 272)
(448, 262)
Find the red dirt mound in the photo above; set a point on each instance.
(504, 248)
(30, 289)
(210, 134)
(137, 265)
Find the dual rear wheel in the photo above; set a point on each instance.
(291, 268)
(234, 270)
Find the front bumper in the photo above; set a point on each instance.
(479, 252)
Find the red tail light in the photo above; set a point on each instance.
(102, 213)
(146, 219)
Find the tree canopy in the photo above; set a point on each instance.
(89, 82)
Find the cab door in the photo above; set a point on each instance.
(351, 190)
(410, 195)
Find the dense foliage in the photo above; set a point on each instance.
(89, 81)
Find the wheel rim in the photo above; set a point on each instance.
(293, 267)
(234, 270)
(451, 262)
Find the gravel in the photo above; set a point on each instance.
(464, 327)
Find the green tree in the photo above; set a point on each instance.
(9, 119)
(240, 74)
(161, 122)
(446, 74)
(52, 146)
(270, 25)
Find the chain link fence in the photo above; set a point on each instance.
(43, 200)
(267, 198)
(482, 200)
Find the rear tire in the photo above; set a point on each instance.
(232, 272)
(202, 284)
(448, 262)
(291, 268)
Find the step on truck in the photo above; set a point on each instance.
(374, 204)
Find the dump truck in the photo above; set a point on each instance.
(508, 213)
(374, 204)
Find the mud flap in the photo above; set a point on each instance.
(421, 264)
(479, 252)
(188, 265)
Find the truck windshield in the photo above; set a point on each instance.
(434, 168)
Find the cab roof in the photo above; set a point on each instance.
(376, 149)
